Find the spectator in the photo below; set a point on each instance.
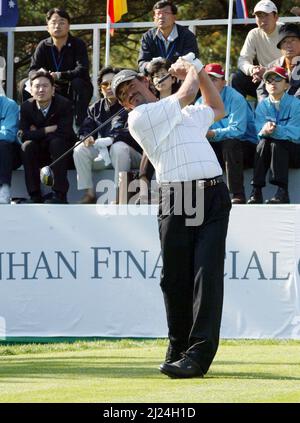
(259, 47)
(124, 152)
(296, 9)
(9, 147)
(66, 58)
(156, 69)
(168, 40)
(289, 44)
(229, 135)
(278, 126)
(46, 131)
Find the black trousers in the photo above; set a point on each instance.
(193, 271)
(276, 156)
(36, 154)
(10, 159)
(243, 84)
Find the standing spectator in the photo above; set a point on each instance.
(168, 40)
(9, 147)
(259, 47)
(124, 153)
(46, 131)
(289, 44)
(66, 58)
(233, 136)
(173, 135)
(278, 127)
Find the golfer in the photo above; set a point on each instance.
(173, 134)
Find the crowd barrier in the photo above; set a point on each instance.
(93, 271)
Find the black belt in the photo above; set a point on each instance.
(203, 183)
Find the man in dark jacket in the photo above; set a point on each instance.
(46, 132)
(66, 58)
(168, 40)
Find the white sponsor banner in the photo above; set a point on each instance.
(89, 271)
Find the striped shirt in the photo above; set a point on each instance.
(174, 139)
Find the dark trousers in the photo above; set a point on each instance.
(230, 155)
(193, 271)
(276, 156)
(243, 84)
(10, 159)
(36, 154)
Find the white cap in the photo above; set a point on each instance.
(266, 6)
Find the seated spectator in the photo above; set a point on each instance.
(278, 127)
(168, 40)
(259, 49)
(66, 58)
(289, 44)
(233, 138)
(46, 132)
(156, 69)
(9, 147)
(118, 149)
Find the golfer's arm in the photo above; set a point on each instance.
(211, 96)
(189, 88)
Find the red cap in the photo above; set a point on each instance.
(215, 69)
(278, 70)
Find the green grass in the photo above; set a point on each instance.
(126, 371)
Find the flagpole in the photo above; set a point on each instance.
(107, 40)
(227, 65)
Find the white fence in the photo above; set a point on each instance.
(96, 28)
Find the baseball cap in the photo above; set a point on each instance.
(215, 70)
(278, 70)
(122, 76)
(288, 30)
(266, 6)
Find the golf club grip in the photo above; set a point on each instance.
(162, 79)
(87, 136)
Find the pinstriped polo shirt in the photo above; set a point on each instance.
(174, 139)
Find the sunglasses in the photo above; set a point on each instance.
(274, 78)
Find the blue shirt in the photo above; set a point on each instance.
(9, 119)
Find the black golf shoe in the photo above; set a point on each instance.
(256, 196)
(57, 198)
(184, 368)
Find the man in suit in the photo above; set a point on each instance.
(46, 132)
(66, 58)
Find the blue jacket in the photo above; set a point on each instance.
(239, 118)
(286, 118)
(9, 119)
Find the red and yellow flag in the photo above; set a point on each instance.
(115, 9)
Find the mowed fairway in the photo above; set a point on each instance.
(127, 371)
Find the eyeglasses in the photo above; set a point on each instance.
(274, 78)
(58, 23)
(160, 12)
(105, 84)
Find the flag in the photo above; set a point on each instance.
(241, 9)
(115, 9)
(9, 13)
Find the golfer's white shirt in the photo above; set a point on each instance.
(174, 139)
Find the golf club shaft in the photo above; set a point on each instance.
(162, 79)
(86, 137)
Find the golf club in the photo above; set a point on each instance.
(46, 173)
(162, 79)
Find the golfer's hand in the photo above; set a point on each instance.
(180, 68)
(89, 141)
(51, 128)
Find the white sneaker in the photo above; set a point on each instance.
(5, 194)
